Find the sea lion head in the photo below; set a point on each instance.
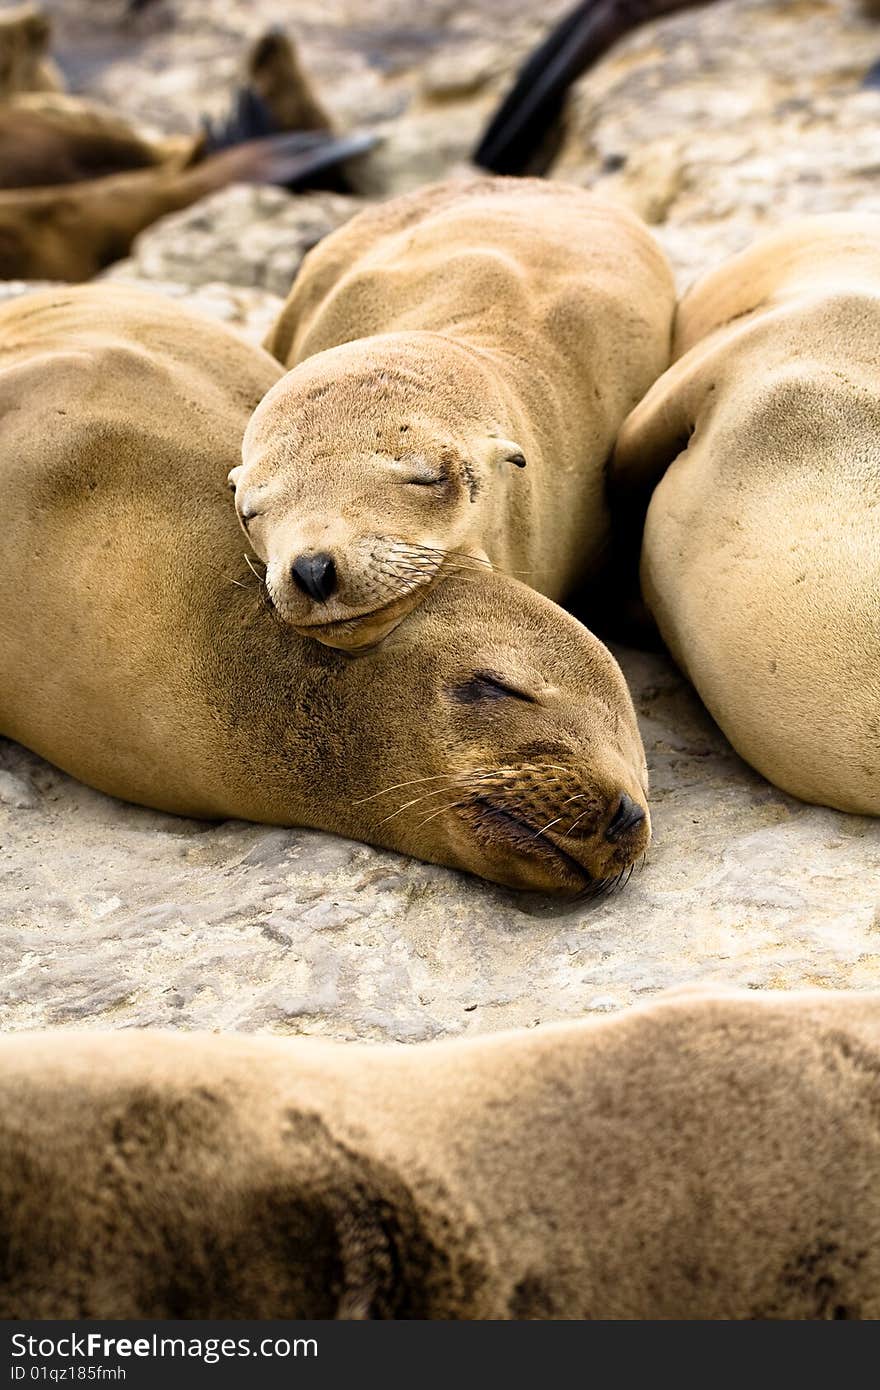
(509, 745)
(25, 31)
(363, 478)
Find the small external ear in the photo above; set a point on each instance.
(233, 476)
(506, 451)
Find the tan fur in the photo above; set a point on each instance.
(275, 72)
(25, 66)
(79, 182)
(704, 1157)
(59, 139)
(437, 342)
(761, 556)
(73, 231)
(141, 656)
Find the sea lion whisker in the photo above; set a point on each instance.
(397, 786)
(451, 807)
(261, 578)
(577, 821)
(548, 826)
(438, 791)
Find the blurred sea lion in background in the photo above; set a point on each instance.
(492, 733)
(72, 231)
(761, 552)
(276, 74)
(47, 140)
(25, 65)
(702, 1157)
(74, 215)
(462, 358)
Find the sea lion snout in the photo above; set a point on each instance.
(315, 575)
(627, 817)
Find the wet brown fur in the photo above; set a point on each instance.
(699, 1158)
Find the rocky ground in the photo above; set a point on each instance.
(714, 124)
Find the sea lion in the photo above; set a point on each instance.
(462, 358)
(494, 734)
(276, 74)
(50, 139)
(704, 1157)
(25, 65)
(761, 555)
(73, 231)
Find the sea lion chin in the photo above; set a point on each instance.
(490, 732)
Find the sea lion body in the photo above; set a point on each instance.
(761, 554)
(462, 358)
(74, 230)
(497, 735)
(51, 139)
(698, 1158)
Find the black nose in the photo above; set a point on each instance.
(314, 575)
(627, 816)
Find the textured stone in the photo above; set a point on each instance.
(242, 236)
(730, 120)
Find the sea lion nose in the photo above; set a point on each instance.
(627, 816)
(314, 575)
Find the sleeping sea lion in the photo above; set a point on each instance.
(492, 733)
(462, 358)
(761, 555)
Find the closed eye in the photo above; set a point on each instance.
(485, 685)
(426, 482)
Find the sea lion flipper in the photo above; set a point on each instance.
(519, 137)
(659, 427)
(290, 160)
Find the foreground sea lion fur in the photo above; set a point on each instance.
(462, 359)
(761, 555)
(702, 1157)
(494, 734)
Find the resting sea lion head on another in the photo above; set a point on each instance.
(491, 732)
(346, 563)
(460, 360)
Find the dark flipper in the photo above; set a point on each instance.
(519, 137)
(248, 118)
(292, 161)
